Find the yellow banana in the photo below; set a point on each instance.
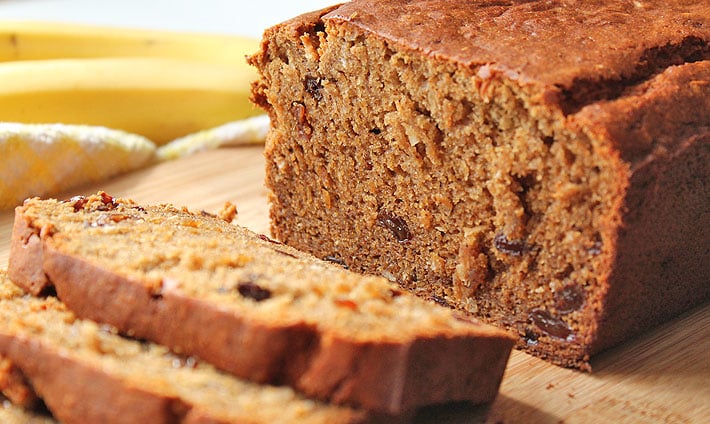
(20, 40)
(43, 159)
(161, 99)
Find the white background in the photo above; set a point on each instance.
(245, 17)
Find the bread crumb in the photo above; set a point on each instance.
(228, 212)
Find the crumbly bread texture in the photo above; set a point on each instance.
(542, 165)
(251, 306)
(86, 373)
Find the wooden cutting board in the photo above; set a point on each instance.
(661, 377)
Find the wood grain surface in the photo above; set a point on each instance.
(660, 377)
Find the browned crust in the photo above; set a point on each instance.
(661, 260)
(654, 119)
(581, 51)
(77, 393)
(651, 281)
(414, 374)
(384, 377)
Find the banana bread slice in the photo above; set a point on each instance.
(253, 307)
(543, 165)
(86, 373)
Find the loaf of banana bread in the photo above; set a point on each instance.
(543, 165)
(86, 373)
(251, 306)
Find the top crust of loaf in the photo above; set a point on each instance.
(563, 45)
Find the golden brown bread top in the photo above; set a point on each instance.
(574, 46)
(656, 117)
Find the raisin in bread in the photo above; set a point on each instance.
(85, 372)
(251, 306)
(542, 165)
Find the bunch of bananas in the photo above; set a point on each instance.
(158, 84)
(161, 85)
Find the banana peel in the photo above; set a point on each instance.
(161, 99)
(157, 83)
(40, 40)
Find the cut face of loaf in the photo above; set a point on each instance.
(542, 165)
(86, 373)
(251, 306)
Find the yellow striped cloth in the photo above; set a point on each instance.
(237, 133)
(39, 159)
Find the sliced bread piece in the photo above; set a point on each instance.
(86, 373)
(251, 306)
